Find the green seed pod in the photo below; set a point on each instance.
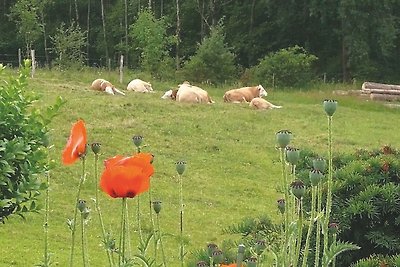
(298, 188)
(211, 247)
(333, 228)
(315, 177)
(252, 262)
(218, 256)
(283, 138)
(85, 213)
(281, 205)
(181, 166)
(81, 205)
(157, 206)
(96, 148)
(137, 140)
(292, 155)
(330, 106)
(319, 164)
(260, 246)
(201, 264)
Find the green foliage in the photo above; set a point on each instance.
(151, 41)
(68, 44)
(288, 67)
(378, 260)
(213, 61)
(23, 138)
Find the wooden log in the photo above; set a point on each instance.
(384, 97)
(381, 91)
(373, 85)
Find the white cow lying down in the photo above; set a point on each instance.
(105, 86)
(244, 94)
(188, 93)
(140, 86)
(261, 103)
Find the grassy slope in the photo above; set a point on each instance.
(233, 167)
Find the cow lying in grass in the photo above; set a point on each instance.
(105, 86)
(188, 93)
(244, 94)
(261, 103)
(140, 86)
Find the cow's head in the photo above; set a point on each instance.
(261, 91)
(170, 94)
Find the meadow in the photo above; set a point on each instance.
(233, 167)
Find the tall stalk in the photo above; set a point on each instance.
(46, 256)
(329, 190)
(310, 226)
(287, 208)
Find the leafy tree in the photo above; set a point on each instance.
(23, 138)
(213, 61)
(292, 66)
(68, 45)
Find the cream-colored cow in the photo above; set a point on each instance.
(105, 86)
(244, 94)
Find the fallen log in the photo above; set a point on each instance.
(381, 91)
(384, 97)
(373, 85)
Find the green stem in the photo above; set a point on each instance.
(318, 230)
(139, 220)
(153, 226)
(329, 191)
(310, 225)
(127, 229)
(46, 222)
(73, 230)
(299, 232)
(83, 240)
(181, 219)
(287, 206)
(161, 243)
(122, 235)
(97, 206)
(334, 242)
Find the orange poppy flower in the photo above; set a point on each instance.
(76, 145)
(229, 265)
(127, 176)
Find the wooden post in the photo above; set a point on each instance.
(121, 69)
(33, 63)
(19, 58)
(273, 80)
(109, 64)
(325, 77)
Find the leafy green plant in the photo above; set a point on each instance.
(23, 138)
(288, 67)
(213, 60)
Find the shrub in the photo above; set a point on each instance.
(23, 138)
(213, 62)
(288, 67)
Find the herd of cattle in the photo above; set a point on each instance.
(188, 93)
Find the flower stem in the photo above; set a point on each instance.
(139, 220)
(46, 222)
(299, 232)
(310, 226)
(153, 227)
(73, 230)
(161, 243)
(97, 206)
(329, 191)
(181, 219)
(318, 230)
(84, 258)
(287, 208)
(122, 235)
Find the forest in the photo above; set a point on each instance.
(352, 40)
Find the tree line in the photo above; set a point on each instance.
(352, 39)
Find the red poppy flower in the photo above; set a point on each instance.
(76, 145)
(127, 176)
(229, 265)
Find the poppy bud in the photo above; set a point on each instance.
(218, 256)
(211, 247)
(319, 164)
(315, 177)
(333, 228)
(81, 205)
(330, 106)
(292, 155)
(283, 138)
(281, 205)
(137, 140)
(157, 206)
(181, 166)
(96, 148)
(260, 246)
(252, 262)
(202, 264)
(298, 188)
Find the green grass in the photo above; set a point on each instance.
(233, 167)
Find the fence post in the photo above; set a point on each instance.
(19, 58)
(109, 64)
(325, 77)
(273, 80)
(121, 69)
(33, 63)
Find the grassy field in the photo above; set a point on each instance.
(232, 171)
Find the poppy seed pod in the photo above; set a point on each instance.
(333, 228)
(315, 177)
(96, 148)
(157, 206)
(218, 256)
(252, 262)
(81, 205)
(298, 188)
(292, 155)
(85, 213)
(319, 164)
(260, 246)
(283, 138)
(211, 247)
(330, 106)
(180, 167)
(137, 140)
(201, 264)
(281, 205)
(241, 248)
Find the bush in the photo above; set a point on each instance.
(213, 62)
(23, 138)
(288, 67)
